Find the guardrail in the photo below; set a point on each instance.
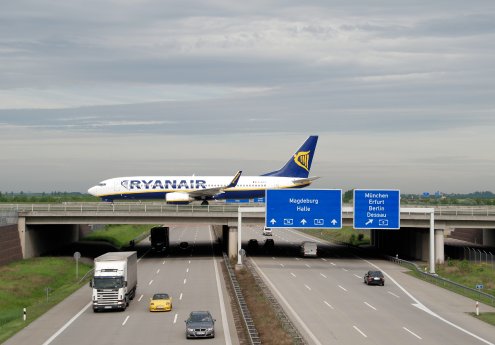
(254, 337)
(446, 283)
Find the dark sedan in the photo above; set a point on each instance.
(374, 277)
(200, 324)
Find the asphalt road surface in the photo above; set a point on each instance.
(329, 303)
(192, 277)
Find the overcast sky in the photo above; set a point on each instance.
(401, 93)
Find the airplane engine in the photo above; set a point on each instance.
(178, 198)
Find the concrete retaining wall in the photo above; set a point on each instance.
(10, 244)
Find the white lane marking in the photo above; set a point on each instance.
(345, 269)
(329, 305)
(358, 276)
(187, 271)
(223, 312)
(151, 282)
(185, 281)
(127, 318)
(308, 266)
(324, 259)
(333, 264)
(291, 310)
(307, 287)
(157, 271)
(163, 263)
(293, 274)
(180, 297)
(369, 305)
(64, 327)
(390, 292)
(273, 258)
(357, 329)
(175, 318)
(140, 298)
(324, 276)
(298, 259)
(422, 307)
(417, 336)
(343, 288)
(189, 261)
(282, 265)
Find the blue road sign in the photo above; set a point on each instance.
(304, 208)
(376, 209)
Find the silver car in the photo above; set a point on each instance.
(200, 324)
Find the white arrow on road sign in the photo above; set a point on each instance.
(333, 222)
(370, 221)
(303, 222)
(273, 221)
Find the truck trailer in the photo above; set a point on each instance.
(159, 238)
(115, 280)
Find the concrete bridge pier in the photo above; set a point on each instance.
(489, 237)
(233, 233)
(439, 246)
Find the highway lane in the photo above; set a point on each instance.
(190, 276)
(330, 304)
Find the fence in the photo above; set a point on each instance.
(479, 256)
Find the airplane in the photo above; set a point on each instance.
(186, 189)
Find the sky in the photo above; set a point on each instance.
(400, 93)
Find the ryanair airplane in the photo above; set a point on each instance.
(185, 189)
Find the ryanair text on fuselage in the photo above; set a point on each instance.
(163, 184)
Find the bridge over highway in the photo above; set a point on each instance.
(43, 226)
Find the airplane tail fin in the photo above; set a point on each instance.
(299, 164)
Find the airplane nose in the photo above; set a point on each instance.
(92, 190)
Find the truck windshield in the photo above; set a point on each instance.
(108, 283)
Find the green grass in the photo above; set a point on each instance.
(347, 235)
(119, 235)
(469, 274)
(487, 317)
(23, 285)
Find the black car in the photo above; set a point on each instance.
(374, 277)
(200, 324)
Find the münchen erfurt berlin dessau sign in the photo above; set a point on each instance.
(376, 209)
(304, 208)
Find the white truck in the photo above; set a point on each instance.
(115, 280)
(309, 248)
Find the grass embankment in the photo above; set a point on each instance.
(119, 235)
(469, 274)
(347, 235)
(264, 317)
(24, 285)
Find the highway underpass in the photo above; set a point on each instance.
(325, 298)
(45, 227)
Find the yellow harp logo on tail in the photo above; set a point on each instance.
(302, 159)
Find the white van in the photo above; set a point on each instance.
(309, 248)
(267, 231)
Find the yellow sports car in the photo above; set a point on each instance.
(161, 302)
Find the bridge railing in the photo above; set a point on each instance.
(162, 207)
(121, 208)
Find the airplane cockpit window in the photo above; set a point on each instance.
(101, 184)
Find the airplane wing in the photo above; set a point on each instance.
(209, 192)
(304, 181)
